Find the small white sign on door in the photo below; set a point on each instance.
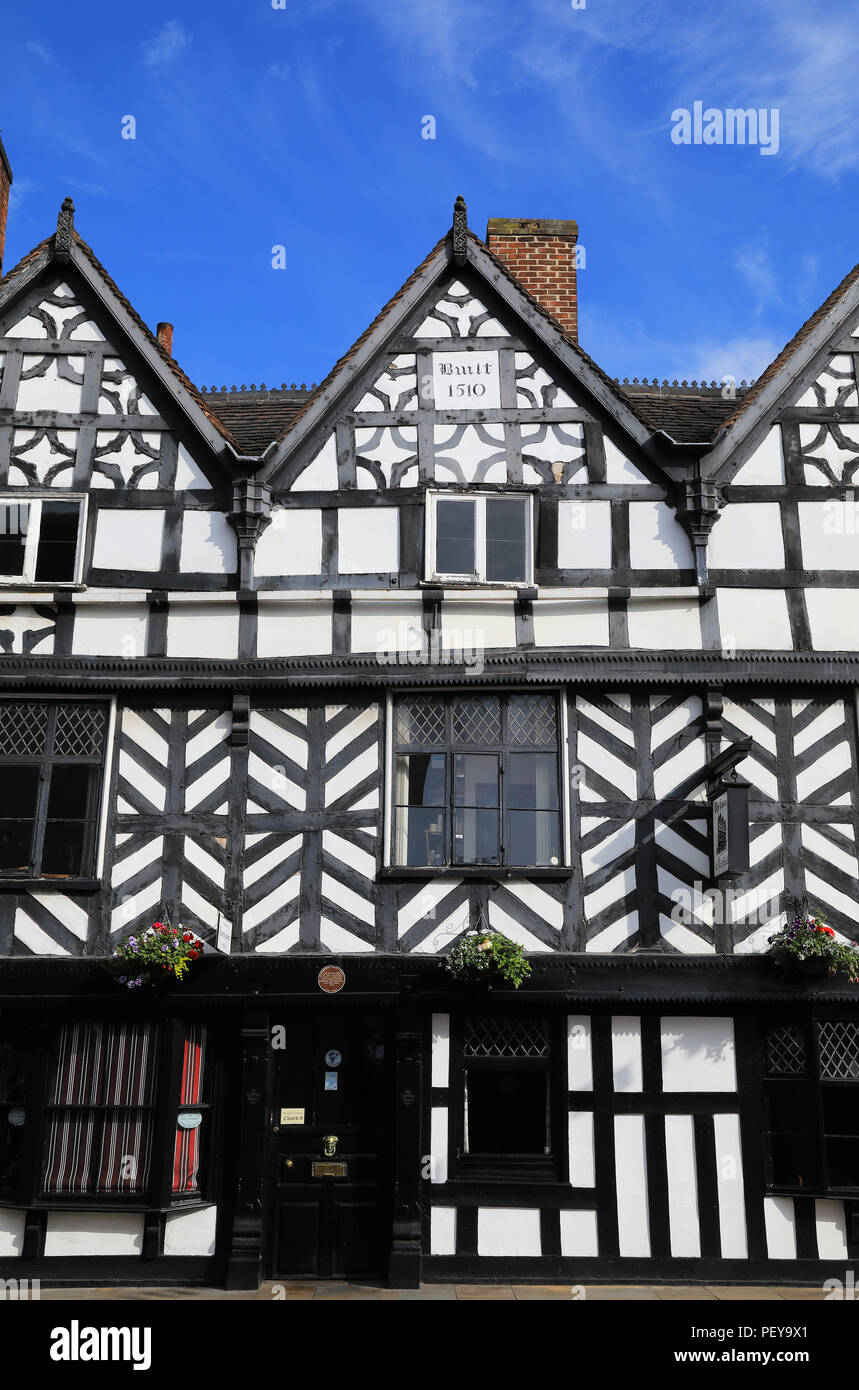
(466, 380)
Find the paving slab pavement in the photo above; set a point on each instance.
(340, 1291)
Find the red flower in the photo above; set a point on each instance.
(158, 925)
(186, 937)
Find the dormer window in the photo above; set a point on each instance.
(482, 538)
(41, 540)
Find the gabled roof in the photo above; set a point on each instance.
(46, 252)
(521, 303)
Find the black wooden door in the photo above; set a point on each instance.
(330, 1203)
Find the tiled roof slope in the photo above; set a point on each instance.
(256, 417)
(689, 414)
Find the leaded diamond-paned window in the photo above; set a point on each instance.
(476, 780)
(51, 762)
(812, 1105)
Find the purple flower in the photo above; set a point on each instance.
(122, 979)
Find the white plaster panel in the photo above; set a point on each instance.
(729, 1185)
(626, 1054)
(579, 1233)
(208, 544)
(291, 544)
(682, 1187)
(295, 629)
(752, 619)
(382, 625)
(780, 1223)
(747, 535)
(829, 532)
(321, 473)
(472, 626)
(443, 1230)
(580, 1133)
(766, 465)
(440, 1050)
(831, 1229)
(618, 468)
(698, 1054)
(508, 1231)
(194, 630)
(51, 391)
(579, 1062)
(94, 1233)
(584, 535)
(438, 1143)
(368, 540)
(656, 538)
(631, 1179)
(191, 1232)
(11, 1231)
(189, 476)
(664, 622)
(112, 630)
(128, 540)
(577, 622)
(833, 616)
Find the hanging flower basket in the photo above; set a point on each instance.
(487, 957)
(160, 955)
(806, 946)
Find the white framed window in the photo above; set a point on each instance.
(41, 540)
(476, 778)
(482, 537)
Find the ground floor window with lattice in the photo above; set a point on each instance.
(811, 1069)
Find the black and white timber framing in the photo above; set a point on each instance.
(248, 623)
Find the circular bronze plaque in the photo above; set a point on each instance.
(331, 978)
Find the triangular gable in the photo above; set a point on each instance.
(70, 300)
(511, 355)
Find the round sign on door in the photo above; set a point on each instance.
(331, 979)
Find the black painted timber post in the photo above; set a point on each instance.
(404, 1271)
(244, 1266)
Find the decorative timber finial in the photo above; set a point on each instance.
(65, 230)
(460, 231)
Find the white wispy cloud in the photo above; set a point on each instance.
(40, 51)
(168, 44)
(741, 358)
(755, 267)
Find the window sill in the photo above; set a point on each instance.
(50, 885)
(822, 1194)
(488, 872)
(90, 1202)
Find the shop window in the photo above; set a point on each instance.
(812, 1104)
(487, 539)
(476, 780)
(40, 540)
(51, 770)
(113, 1112)
(509, 1120)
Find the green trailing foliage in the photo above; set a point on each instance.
(487, 955)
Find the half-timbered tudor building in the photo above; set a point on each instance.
(466, 636)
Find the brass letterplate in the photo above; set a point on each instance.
(328, 1170)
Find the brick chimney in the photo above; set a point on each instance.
(164, 334)
(541, 254)
(5, 185)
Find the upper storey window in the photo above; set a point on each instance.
(482, 538)
(41, 540)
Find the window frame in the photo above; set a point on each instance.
(480, 498)
(550, 1167)
(34, 500)
(503, 868)
(159, 1196)
(84, 882)
(816, 1085)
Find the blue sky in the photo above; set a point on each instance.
(301, 126)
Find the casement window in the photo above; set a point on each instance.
(115, 1111)
(476, 780)
(509, 1119)
(41, 540)
(811, 1072)
(485, 538)
(51, 771)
